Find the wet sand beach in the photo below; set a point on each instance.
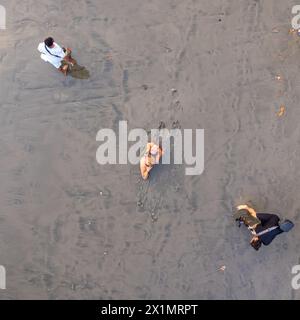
(73, 229)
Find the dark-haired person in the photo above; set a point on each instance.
(265, 227)
(59, 57)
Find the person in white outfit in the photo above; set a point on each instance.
(59, 57)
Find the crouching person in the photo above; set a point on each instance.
(264, 227)
(59, 57)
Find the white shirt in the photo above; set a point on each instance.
(56, 51)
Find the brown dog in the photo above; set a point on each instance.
(67, 62)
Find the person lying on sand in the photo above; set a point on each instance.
(59, 57)
(150, 158)
(263, 226)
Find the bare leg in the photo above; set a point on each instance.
(64, 69)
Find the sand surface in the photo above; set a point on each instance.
(164, 238)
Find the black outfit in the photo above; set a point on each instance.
(268, 221)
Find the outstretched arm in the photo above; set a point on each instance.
(250, 210)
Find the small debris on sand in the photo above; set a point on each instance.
(161, 125)
(140, 204)
(176, 125)
(109, 57)
(168, 49)
(154, 217)
(281, 111)
(222, 269)
(292, 30)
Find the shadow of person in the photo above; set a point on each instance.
(78, 72)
